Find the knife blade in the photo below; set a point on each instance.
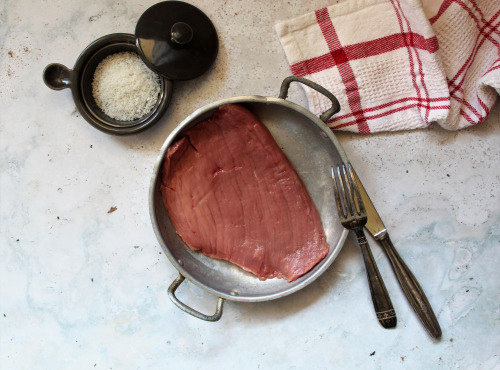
(407, 280)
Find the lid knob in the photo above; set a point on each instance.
(181, 33)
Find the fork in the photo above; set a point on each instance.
(353, 216)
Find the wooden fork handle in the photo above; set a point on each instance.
(381, 300)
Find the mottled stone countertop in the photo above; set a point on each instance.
(85, 288)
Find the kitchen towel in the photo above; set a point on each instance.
(399, 64)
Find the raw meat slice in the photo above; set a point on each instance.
(231, 192)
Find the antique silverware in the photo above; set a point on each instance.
(409, 283)
(353, 217)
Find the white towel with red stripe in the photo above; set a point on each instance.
(399, 64)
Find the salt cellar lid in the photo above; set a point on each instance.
(176, 40)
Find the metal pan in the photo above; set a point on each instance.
(312, 149)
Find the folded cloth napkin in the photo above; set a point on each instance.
(399, 64)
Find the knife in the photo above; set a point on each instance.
(409, 283)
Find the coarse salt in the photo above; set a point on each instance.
(124, 87)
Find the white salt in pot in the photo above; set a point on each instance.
(313, 150)
(79, 80)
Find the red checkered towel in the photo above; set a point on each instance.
(399, 64)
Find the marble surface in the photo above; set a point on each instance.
(82, 287)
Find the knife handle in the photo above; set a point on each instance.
(381, 300)
(412, 289)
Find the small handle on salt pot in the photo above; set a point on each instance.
(171, 293)
(325, 116)
(57, 76)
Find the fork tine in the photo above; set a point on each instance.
(354, 200)
(347, 196)
(336, 191)
(346, 190)
(357, 200)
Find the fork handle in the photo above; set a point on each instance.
(412, 289)
(381, 300)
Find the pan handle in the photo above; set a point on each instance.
(325, 116)
(171, 293)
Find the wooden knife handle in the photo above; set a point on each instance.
(412, 289)
(381, 300)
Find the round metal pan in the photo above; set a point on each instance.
(312, 149)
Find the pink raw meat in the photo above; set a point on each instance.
(231, 192)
